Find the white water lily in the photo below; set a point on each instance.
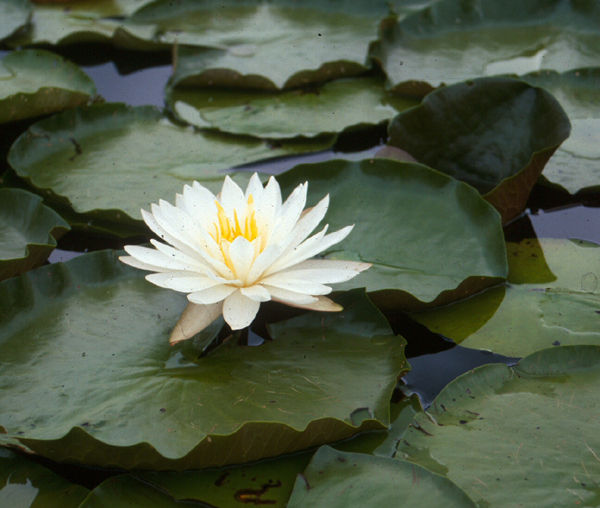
(232, 251)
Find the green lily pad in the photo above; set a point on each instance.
(553, 298)
(452, 40)
(526, 434)
(25, 484)
(339, 105)
(496, 134)
(337, 479)
(37, 82)
(126, 491)
(253, 44)
(398, 208)
(28, 231)
(108, 161)
(14, 15)
(576, 164)
(76, 22)
(116, 394)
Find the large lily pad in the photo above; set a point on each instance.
(79, 21)
(254, 44)
(430, 237)
(28, 231)
(576, 164)
(338, 480)
(494, 133)
(37, 82)
(553, 298)
(452, 40)
(114, 393)
(14, 14)
(110, 160)
(526, 434)
(338, 106)
(25, 484)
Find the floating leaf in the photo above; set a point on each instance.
(337, 479)
(553, 299)
(79, 21)
(496, 134)
(114, 393)
(28, 231)
(576, 164)
(108, 161)
(452, 40)
(14, 14)
(253, 44)
(526, 433)
(25, 484)
(37, 82)
(399, 208)
(339, 105)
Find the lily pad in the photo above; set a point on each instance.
(337, 479)
(339, 105)
(25, 484)
(14, 15)
(496, 134)
(553, 298)
(115, 394)
(253, 44)
(431, 238)
(108, 161)
(576, 164)
(525, 434)
(79, 21)
(452, 40)
(38, 82)
(28, 231)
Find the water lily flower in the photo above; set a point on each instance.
(232, 251)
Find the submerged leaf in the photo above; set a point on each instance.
(14, 14)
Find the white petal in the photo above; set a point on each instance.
(232, 197)
(289, 297)
(199, 203)
(283, 281)
(268, 206)
(153, 224)
(194, 319)
(131, 261)
(184, 282)
(323, 304)
(325, 271)
(239, 311)
(172, 252)
(241, 252)
(265, 259)
(290, 213)
(158, 259)
(256, 293)
(170, 233)
(255, 187)
(308, 222)
(211, 295)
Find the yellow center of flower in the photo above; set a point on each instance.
(225, 229)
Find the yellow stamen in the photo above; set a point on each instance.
(225, 230)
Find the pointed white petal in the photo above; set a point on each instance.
(256, 293)
(325, 271)
(268, 207)
(265, 259)
(174, 253)
(255, 187)
(290, 213)
(158, 259)
(184, 282)
(289, 297)
(239, 311)
(232, 197)
(193, 320)
(323, 304)
(131, 261)
(211, 295)
(308, 222)
(241, 252)
(283, 281)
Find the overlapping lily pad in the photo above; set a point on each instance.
(77, 22)
(114, 393)
(553, 299)
(328, 109)
(338, 480)
(25, 484)
(14, 14)
(28, 231)
(110, 160)
(452, 40)
(494, 133)
(431, 238)
(526, 433)
(576, 164)
(37, 82)
(254, 44)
